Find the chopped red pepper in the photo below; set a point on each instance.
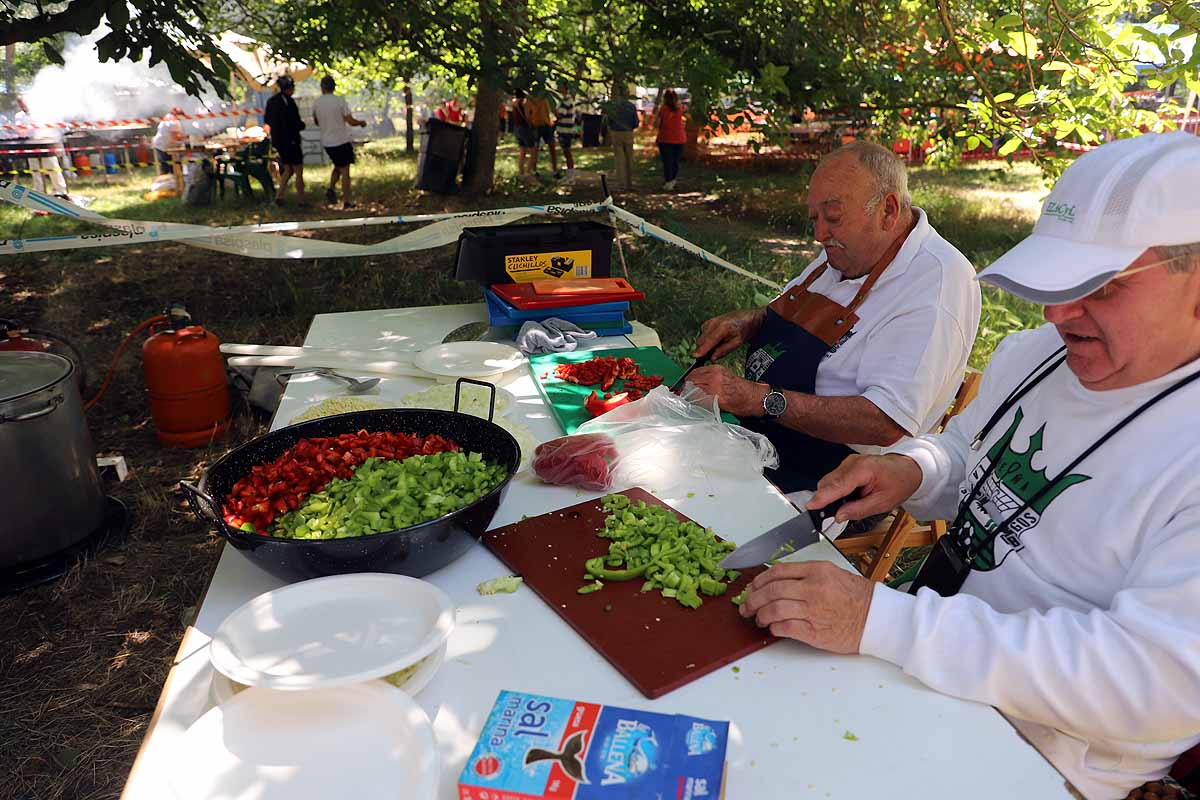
(597, 405)
(270, 490)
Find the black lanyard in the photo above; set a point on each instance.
(947, 567)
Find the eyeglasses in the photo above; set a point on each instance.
(1106, 290)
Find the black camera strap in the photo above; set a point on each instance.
(947, 566)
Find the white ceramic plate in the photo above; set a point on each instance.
(223, 689)
(469, 359)
(367, 742)
(334, 631)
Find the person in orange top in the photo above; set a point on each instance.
(671, 136)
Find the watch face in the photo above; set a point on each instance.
(774, 403)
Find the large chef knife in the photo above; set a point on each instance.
(785, 538)
(699, 362)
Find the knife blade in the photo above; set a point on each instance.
(699, 362)
(786, 537)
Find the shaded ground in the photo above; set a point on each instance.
(82, 661)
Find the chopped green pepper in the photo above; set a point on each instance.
(679, 558)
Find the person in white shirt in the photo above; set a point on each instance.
(332, 115)
(866, 345)
(1067, 590)
(169, 134)
(49, 141)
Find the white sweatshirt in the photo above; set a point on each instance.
(1087, 634)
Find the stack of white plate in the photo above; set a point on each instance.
(305, 707)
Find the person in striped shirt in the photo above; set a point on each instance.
(566, 126)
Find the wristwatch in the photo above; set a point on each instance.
(774, 403)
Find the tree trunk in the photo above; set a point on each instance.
(498, 20)
(408, 117)
(10, 75)
(485, 133)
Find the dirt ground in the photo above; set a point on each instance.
(82, 660)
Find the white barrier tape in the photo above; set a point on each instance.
(653, 231)
(259, 241)
(256, 240)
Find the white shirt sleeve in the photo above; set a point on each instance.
(1128, 672)
(906, 361)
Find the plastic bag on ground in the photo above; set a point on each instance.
(655, 442)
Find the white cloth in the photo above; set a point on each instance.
(551, 335)
(909, 349)
(330, 112)
(168, 135)
(1087, 636)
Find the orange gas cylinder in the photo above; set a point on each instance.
(189, 393)
(83, 164)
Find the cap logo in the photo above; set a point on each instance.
(1060, 211)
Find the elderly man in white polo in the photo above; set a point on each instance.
(867, 344)
(1067, 593)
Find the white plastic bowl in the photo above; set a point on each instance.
(367, 742)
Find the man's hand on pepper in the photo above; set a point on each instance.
(738, 396)
(814, 602)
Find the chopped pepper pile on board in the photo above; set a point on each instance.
(649, 542)
(604, 371)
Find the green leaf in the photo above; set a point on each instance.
(972, 142)
(51, 52)
(1011, 146)
(1029, 98)
(1004, 97)
(1009, 21)
(1056, 66)
(1026, 44)
(118, 15)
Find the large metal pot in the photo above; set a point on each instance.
(416, 550)
(49, 488)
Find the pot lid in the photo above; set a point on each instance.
(23, 373)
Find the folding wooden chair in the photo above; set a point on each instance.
(876, 550)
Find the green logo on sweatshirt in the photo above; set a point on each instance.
(1011, 485)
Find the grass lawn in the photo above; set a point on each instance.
(82, 661)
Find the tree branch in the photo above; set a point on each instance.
(78, 17)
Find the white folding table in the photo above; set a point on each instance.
(804, 723)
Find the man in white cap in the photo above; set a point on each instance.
(1067, 593)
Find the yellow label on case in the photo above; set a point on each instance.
(566, 264)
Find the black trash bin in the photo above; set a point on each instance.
(442, 146)
(591, 130)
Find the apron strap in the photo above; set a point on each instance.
(867, 284)
(812, 276)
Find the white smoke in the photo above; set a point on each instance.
(85, 88)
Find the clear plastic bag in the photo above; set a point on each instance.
(654, 442)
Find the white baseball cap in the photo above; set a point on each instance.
(1108, 208)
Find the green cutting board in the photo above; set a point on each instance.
(566, 399)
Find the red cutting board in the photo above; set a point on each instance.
(652, 640)
(526, 296)
(588, 286)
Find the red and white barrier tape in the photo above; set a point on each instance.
(116, 123)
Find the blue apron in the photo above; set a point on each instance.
(799, 330)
